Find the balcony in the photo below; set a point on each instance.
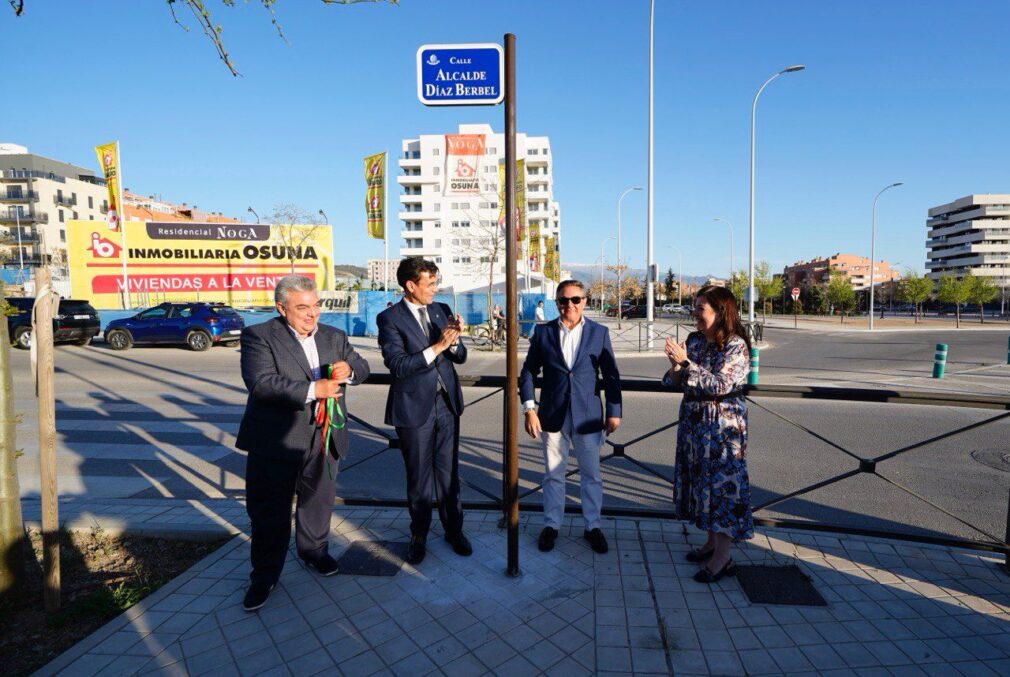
(23, 217)
(22, 197)
(22, 235)
(64, 200)
(22, 174)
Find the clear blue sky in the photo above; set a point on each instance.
(912, 91)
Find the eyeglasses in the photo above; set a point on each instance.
(574, 300)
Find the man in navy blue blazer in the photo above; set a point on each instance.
(420, 343)
(574, 353)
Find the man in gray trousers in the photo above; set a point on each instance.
(284, 366)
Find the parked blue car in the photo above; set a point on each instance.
(198, 325)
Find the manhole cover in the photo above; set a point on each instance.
(993, 458)
(372, 558)
(778, 585)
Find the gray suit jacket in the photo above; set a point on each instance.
(277, 421)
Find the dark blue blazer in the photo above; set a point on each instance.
(415, 382)
(576, 389)
(277, 421)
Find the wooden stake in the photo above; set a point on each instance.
(42, 343)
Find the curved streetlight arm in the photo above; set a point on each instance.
(873, 242)
(253, 212)
(753, 126)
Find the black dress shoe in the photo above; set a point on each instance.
(324, 566)
(416, 550)
(597, 541)
(256, 596)
(547, 538)
(707, 576)
(698, 556)
(460, 544)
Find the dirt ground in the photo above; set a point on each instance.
(101, 577)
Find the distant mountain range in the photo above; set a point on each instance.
(590, 272)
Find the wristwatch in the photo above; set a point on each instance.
(684, 364)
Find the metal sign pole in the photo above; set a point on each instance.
(511, 498)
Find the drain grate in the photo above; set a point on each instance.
(372, 558)
(778, 585)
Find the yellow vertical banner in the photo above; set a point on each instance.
(108, 160)
(534, 248)
(520, 202)
(375, 195)
(549, 272)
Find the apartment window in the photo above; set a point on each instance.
(105, 206)
(63, 235)
(91, 202)
(491, 150)
(76, 216)
(436, 171)
(455, 259)
(494, 205)
(91, 217)
(438, 259)
(434, 151)
(465, 242)
(59, 194)
(534, 151)
(464, 224)
(73, 198)
(464, 259)
(61, 215)
(454, 205)
(14, 192)
(438, 243)
(455, 241)
(464, 205)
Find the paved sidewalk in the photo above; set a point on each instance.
(893, 607)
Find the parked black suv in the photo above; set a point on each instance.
(75, 321)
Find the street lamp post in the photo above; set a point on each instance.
(253, 212)
(602, 260)
(730, 278)
(753, 112)
(619, 201)
(325, 218)
(873, 241)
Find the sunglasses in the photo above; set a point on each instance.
(574, 300)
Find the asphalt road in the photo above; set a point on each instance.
(161, 421)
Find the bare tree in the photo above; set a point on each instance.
(293, 227)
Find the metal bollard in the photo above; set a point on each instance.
(755, 366)
(940, 360)
(1008, 349)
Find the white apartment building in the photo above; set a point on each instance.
(41, 195)
(460, 232)
(375, 271)
(970, 234)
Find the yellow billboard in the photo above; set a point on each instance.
(233, 263)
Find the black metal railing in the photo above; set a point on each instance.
(30, 216)
(859, 464)
(24, 196)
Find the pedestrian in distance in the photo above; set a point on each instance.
(574, 353)
(420, 344)
(296, 371)
(710, 481)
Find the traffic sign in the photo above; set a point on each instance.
(461, 75)
(796, 293)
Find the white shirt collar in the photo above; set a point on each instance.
(580, 325)
(297, 335)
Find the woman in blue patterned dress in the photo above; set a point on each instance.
(710, 483)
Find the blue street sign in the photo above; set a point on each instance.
(461, 75)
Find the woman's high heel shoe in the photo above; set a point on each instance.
(706, 576)
(698, 556)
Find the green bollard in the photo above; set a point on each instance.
(755, 366)
(940, 361)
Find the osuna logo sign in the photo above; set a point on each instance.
(460, 75)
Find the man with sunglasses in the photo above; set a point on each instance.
(574, 353)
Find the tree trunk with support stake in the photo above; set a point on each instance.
(42, 340)
(12, 533)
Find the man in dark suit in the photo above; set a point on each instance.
(420, 342)
(573, 353)
(283, 366)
